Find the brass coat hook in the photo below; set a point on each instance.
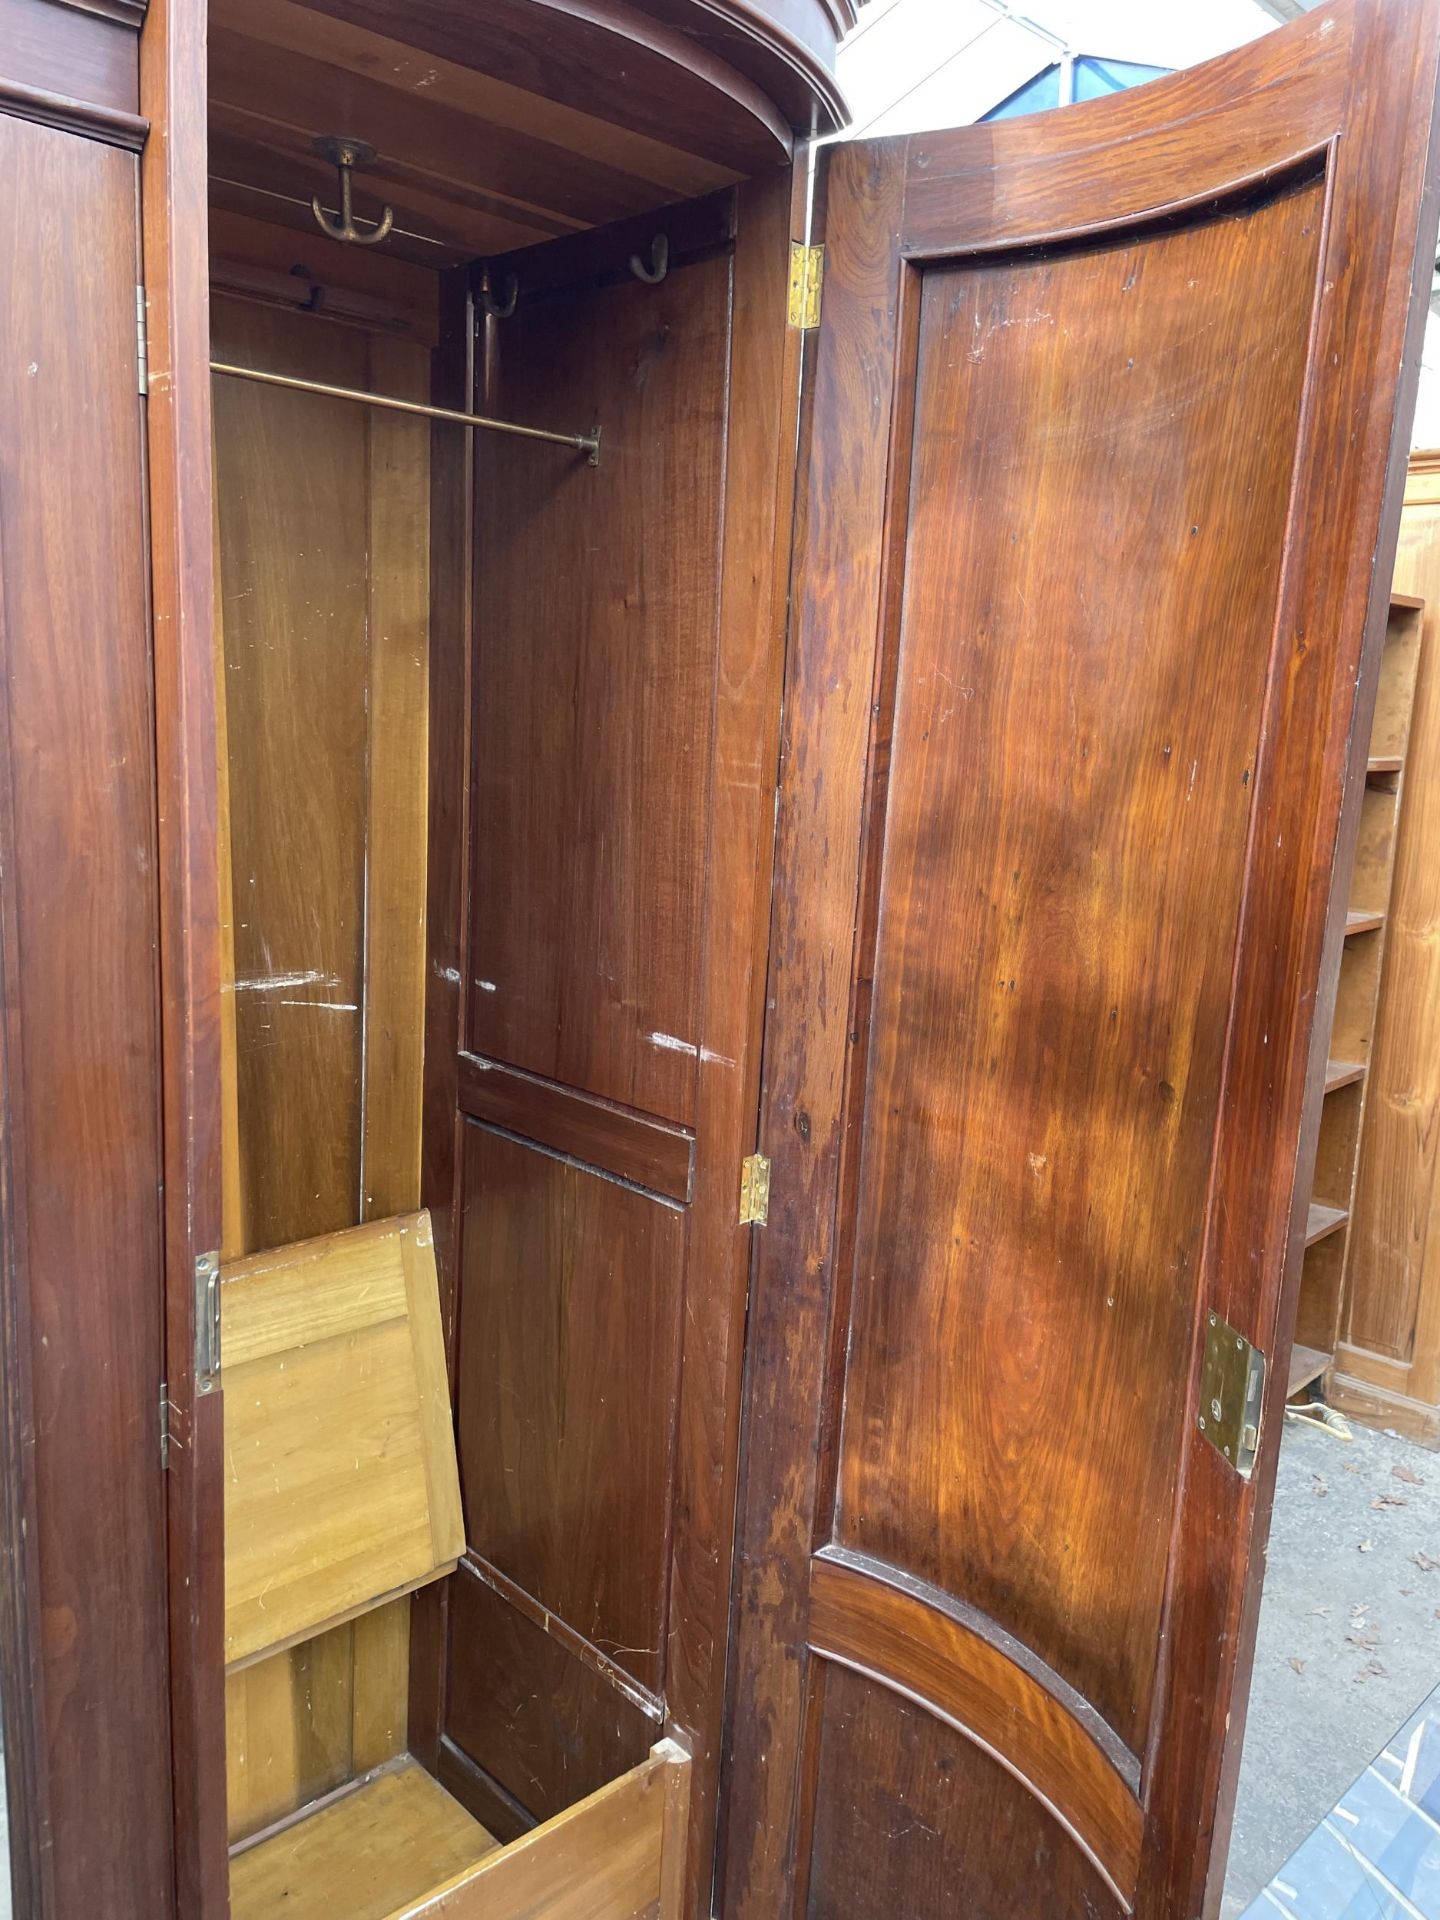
(344, 154)
(659, 264)
(505, 305)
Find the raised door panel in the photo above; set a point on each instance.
(1040, 1097)
(1072, 684)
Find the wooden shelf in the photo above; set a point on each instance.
(1383, 763)
(1323, 1221)
(1409, 600)
(1343, 1073)
(1306, 1364)
(367, 1854)
(1363, 922)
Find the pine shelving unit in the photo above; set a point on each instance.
(1352, 1035)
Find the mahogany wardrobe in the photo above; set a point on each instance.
(670, 796)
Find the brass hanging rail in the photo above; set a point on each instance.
(586, 443)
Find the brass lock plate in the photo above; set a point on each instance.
(1232, 1387)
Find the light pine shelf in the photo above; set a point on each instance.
(1343, 1073)
(1360, 921)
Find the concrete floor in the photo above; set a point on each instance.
(1349, 1639)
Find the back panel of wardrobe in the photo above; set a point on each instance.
(597, 680)
(322, 536)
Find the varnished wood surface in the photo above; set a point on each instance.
(187, 669)
(1026, 1081)
(81, 914)
(341, 1483)
(887, 1768)
(373, 1854)
(630, 1145)
(569, 1367)
(898, 1634)
(505, 128)
(920, 613)
(764, 392)
(594, 692)
(80, 57)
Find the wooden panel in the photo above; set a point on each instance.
(1026, 1080)
(960, 1836)
(569, 1332)
(82, 1096)
(613, 1857)
(189, 668)
(303, 1721)
(594, 692)
(341, 1470)
(544, 1724)
(372, 1854)
(629, 1145)
(904, 1636)
(291, 474)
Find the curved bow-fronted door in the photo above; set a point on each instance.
(1098, 469)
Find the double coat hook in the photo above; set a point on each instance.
(345, 154)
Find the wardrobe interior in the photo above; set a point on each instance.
(484, 769)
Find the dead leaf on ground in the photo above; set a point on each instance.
(1366, 1546)
(1425, 1562)
(1383, 1500)
(1408, 1475)
(1297, 1663)
(1319, 1485)
(1349, 1466)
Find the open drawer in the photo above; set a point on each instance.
(342, 1493)
(396, 1844)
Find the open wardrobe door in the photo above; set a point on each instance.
(1097, 508)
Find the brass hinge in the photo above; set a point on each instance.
(807, 276)
(754, 1190)
(1232, 1386)
(164, 1426)
(207, 1321)
(142, 343)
